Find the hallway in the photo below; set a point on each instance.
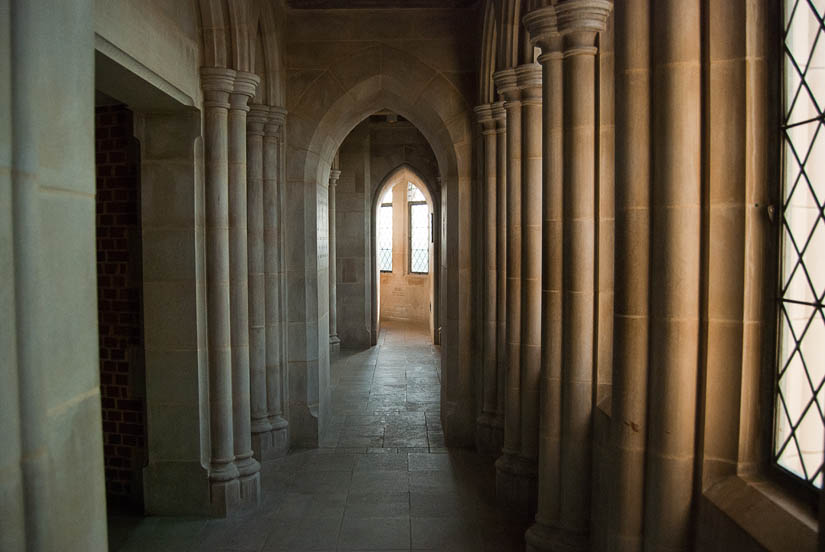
(382, 479)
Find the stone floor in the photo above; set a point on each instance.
(382, 479)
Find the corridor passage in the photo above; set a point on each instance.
(382, 479)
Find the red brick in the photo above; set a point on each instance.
(119, 301)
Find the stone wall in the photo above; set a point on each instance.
(395, 144)
(157, 42)
(353, 204)
(52, 494)
(120, 303)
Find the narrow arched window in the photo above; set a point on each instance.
(385, 233)
(419, 230)
(799, 417)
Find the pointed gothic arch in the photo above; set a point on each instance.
(323, 114)
(430, 190)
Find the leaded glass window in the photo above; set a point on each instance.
(384, 237)
(414, 194)
(419, 231)
(799, 427)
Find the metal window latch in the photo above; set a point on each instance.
(771, 210)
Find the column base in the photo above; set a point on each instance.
(489, 435)
(271, 444)
(516, 484)
(224, 497)
(250, 487)
(543, 538)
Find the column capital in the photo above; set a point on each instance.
(484, 113)
(243, 89)
(256, 119)
(542, 26)
(277, 118)
(528, 77)
(507, 84)
(584, 19)
(334, 175)
(217, 83)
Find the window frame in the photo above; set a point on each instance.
(799, 488)
(378, 249)
(410, 205)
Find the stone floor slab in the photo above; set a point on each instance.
(383, 479)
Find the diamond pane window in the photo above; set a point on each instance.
(419, 238)
(414, 194)
(799, 424)
(384, 237)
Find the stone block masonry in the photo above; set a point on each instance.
(120, 304)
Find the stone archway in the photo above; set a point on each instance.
(325, 112)
(400, 174)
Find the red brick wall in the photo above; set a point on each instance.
(120, 304)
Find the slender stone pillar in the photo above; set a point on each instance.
(579, 21)
(513, 478)
(275, 381)
(248, 467)
(529, 82)
(628, 427)
(500, 118)
(488, 435)
(675, 282)
(605, 232)
(541, 24)
(217, 85)
(261, 428)
(334, 340)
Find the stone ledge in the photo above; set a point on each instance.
(754, 514)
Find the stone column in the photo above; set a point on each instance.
(675, 281)
(631, 312)
(488, 435)
(500, 118)
(261, 427)
(513, 477)
(217, 85)
(579, 21)
(275, 380)
(541, 24)
(334, 340)
(248, 467)
(529, 82)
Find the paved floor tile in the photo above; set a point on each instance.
(382, 479)
(374, 533)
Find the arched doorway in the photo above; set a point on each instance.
(405, 284)
(319, 121)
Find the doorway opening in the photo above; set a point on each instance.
(405, 252)
(383, 155)
(153, 370)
